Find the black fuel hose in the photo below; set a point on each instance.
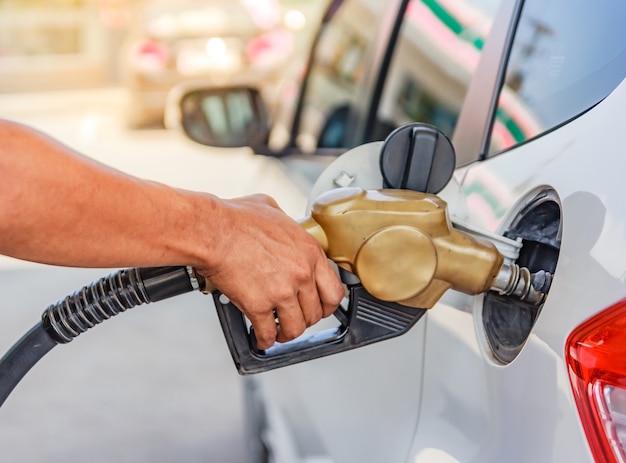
(87, 307)
(21, 357)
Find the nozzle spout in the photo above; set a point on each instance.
(513, 280)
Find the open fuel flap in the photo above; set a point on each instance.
(380, 215)
(536, 225)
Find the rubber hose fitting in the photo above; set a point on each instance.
(110, 295)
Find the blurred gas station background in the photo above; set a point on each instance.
(158, 385)
(148, 46)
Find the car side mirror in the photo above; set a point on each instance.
(227, 117)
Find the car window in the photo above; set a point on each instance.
(435, 56)
(337, 68)
(437, 52)
(566, 57)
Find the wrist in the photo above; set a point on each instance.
(202, 243)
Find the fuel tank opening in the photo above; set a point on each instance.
(508, 321)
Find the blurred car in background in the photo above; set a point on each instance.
(172, 42)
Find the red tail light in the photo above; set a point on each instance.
(596, 358)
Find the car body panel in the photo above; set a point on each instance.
(368, 405)
(477, 410)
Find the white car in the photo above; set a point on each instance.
(532, 95)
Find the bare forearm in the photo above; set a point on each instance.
(61, 208)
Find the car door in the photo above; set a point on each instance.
(363, 405)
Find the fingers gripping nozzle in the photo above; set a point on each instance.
(403, 248)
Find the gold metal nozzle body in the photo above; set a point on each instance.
(401, 245)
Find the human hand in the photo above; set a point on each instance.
(265, 263)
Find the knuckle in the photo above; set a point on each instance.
(292, 330)
(267, 199)
(303, 273)
(265, 337)
(338, 295)
(314, 248)
(314, 318)
(283, 294)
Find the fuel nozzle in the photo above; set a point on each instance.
(402, 247)
(513, 280)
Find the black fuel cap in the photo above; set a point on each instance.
(417, 157)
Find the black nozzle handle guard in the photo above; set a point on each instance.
(367, 320)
